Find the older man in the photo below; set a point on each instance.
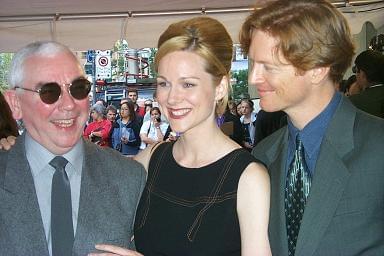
(327, 165)
(60, 195)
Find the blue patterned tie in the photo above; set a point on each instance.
(297, 188)
(61, 210)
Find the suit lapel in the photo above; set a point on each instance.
(92, 188)
(327, 189)
(330, 178)
(19, 207)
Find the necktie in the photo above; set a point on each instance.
(297, 188)
(61, 210)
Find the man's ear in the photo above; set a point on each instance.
(319, 74)
(13, 101)
(222, 88)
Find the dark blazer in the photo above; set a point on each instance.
(267, 123)
(344, 214)
(371, 100)
(110, 189)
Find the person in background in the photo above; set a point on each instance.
(345, 85)
(59, 194)
(205, 195)
(327, 164)
(8, 125)
(232, 107)
(232, 123)
(148, 106)
(170, 135)
(247, 121)
(369, 69)
(101, 102)
(267, 123)
(133, 98)
(126, 131)
(112, 117)
(98, 131)
(239, 109)
(111, 113)
(133, 95)
(153, 130)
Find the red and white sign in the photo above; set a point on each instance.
(103, 64)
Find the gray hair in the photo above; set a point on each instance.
(99, 109)
(39, 48)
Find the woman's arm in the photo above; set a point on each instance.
(104, 130)
(253, 210)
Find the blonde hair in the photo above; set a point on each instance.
(207, 38)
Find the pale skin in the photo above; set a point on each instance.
(66, 116)
(187, 96)
(280, 87)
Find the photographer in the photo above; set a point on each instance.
(153, 130)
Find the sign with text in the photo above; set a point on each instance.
(103, 64)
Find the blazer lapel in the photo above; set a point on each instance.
(92, 188)
(19, 207)
(100, 217)
(330, 178)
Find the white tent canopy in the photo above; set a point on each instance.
(97, 24)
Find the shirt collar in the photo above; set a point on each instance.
(312, 134)
(39, 157)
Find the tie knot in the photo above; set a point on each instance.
(58, 163)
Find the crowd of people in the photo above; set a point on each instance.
(132, 128)
(313, 187)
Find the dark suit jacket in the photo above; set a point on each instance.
(371, 100)
(238, 134)
(267, 123)
(110, 189)
(344, 214)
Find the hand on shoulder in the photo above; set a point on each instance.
(7, 143)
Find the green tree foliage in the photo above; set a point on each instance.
(151, 62)
(240, 84)
(5, 63)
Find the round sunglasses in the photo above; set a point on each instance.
(50, 92)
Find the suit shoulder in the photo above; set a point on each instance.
(259, 151)
(3, 159)
(368, 122)
(112, 161)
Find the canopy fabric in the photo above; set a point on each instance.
(24, 21)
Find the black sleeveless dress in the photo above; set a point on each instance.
(190, 211)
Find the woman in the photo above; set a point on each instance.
(153, 130)
(248, 120)
(205, 195)
(125, 134)
(99, 129)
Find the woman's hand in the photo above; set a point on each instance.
(112, 250)
(124, 140)
(7, 143)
